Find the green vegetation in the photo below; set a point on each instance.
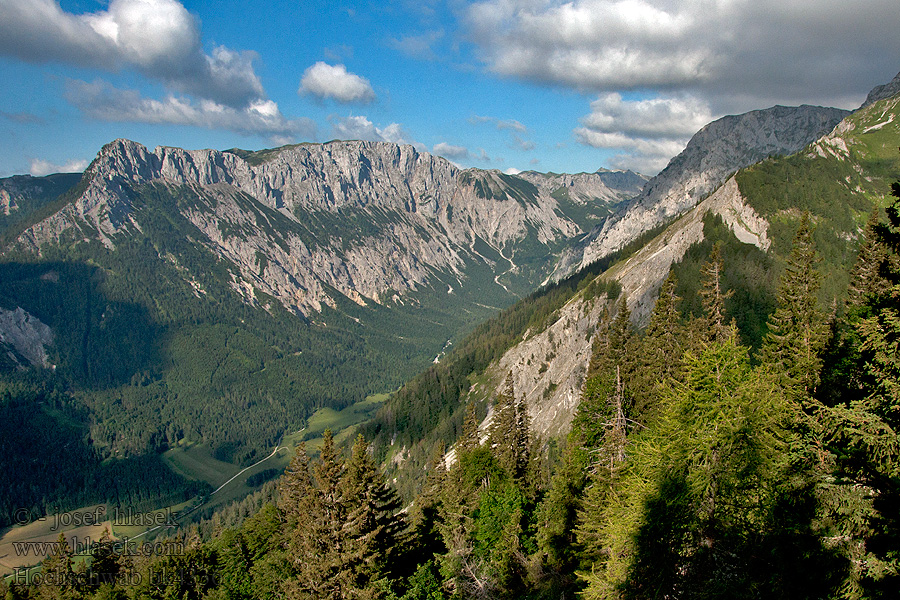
(427, 410)
(154, 350)
(691, 471)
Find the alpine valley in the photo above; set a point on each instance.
(173, 312)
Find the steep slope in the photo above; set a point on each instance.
(21, 196)
(839, 178)
(711, 156)
(882, 92)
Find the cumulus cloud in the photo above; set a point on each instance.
(661, 117)
(40, 167)
(732, 50)
(648, 131)
(158, 38)
(450, 151)
(361, 128)
(334, 81)
(104, 102)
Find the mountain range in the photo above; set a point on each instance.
(221, 297)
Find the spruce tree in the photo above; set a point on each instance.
(508, 441)
(798, 329)
(315, 544)
(867, 276)
(470, 438)
(713, 296)
(694, 513)
(57, 574)
(658, 355)
(865, 428)
(373, 530)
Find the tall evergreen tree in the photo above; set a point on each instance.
(798, 329)
(693, 516)
(658, 356)
(470, 438)
(509, 436)
(713, 296)
(57, 573)
(865, 427)
(373, 532)
(315, 543)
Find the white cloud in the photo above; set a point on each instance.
(523, 145)
(40, 167)
(741, 53)
(515, 128)
(648, 132)
(334, 81)
(103, 102)
(500, 124)
(450, 151)
(512, 171)
(361, 128)
(158, 38)
(660, 117)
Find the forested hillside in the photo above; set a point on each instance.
(696, 467)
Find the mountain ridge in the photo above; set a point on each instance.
(717, 150)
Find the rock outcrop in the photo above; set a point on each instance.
(24, 338)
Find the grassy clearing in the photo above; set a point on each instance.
(80, 526)
(343, 423)
(196, 462)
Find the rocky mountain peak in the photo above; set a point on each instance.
(881, 92)
(710, 157)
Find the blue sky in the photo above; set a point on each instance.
(506, 84)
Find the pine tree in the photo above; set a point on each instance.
(57, 575)
(295, 487)
(315, 516)
(866, 277)
(658, 356)
(798, 328)
(693, 515)
(713, 297)
(470, 438)
(865, 428)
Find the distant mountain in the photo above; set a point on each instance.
(710, 157)
(882, 92)
(372, 221)
(22, 195)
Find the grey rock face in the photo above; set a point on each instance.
(712, 155)
(24, 335)
(881, 92)
(370, 220)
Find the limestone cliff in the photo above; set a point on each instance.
(373, 221)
